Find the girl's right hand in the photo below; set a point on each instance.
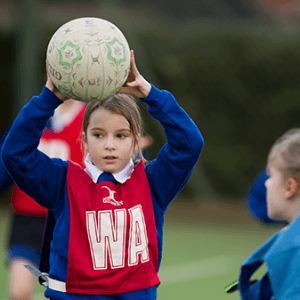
(50, 85)
(137, 85)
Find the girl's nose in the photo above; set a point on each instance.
(109, 143)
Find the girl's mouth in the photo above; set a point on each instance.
(109, 158)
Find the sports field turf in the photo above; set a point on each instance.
(204, 245)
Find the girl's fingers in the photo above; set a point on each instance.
(131, 84)
(133, 67)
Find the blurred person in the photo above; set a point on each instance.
(281, 252)
(124, 201)
(61, 138)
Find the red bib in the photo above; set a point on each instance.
(113, 241)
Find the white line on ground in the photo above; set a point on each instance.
(198, 269)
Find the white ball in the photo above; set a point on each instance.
(88, 59)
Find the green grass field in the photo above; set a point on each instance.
(204, 245)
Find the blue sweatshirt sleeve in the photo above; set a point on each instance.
(170, 171)
(35, 173)
(5, 179)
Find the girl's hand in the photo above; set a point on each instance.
(50, 85)
(137, 85)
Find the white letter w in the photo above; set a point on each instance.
(106, 238)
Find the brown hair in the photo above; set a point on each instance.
(285, 154)
(124, 105)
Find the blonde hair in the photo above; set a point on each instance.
(124, 105)
(285, 154)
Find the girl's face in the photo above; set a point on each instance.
(109, 140)
(276, 195)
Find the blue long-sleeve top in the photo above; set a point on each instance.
(280, 254)
(44, 179)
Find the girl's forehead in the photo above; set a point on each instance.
(101, 111)
(107, 117)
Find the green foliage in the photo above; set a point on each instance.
(240, 86)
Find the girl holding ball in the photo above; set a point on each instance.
(107, 241)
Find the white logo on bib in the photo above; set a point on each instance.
(111, 198)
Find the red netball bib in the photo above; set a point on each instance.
(113, 241)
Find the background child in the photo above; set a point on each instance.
(282, 251)
(61, 138)
(108, 234)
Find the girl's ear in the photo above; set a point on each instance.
(138, 139)
(85, 144)
(137, 144)
(291, 187)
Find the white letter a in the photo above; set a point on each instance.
(138, 240)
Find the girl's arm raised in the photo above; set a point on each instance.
(34, 172)
(170, 171)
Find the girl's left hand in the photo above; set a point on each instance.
(137, 85)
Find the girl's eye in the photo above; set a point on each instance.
(97, 135)
(121, 136)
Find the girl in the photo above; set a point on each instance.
(282, 251)
(107, 241)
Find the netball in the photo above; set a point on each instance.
(88, 59)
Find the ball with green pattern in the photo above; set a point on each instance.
(88, 59)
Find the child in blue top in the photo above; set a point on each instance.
(281, 252)
(107, 242)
